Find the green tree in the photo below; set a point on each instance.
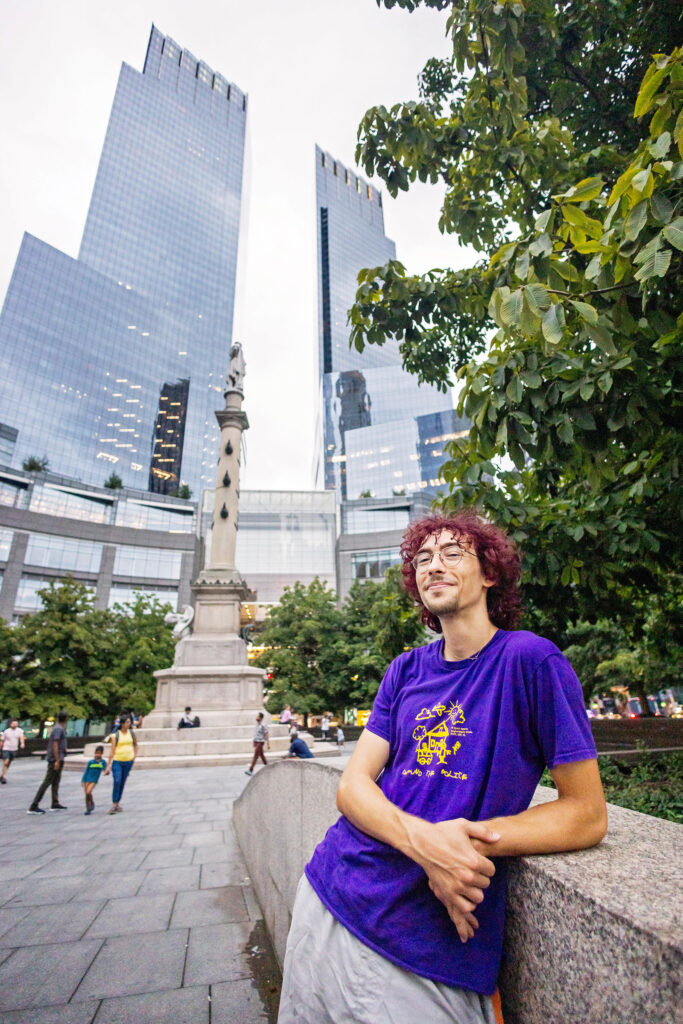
(113, 482)
(560, 143)
(144, 643)
(184, 491)
(303, 642)
(380, 622)
(589, 645)
(72, 649)
(35, 464)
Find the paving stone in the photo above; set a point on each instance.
(41, 927)
(121, 967)
(241, 1001)
(10, 917)
(209, 906)
(181, 1006)
(133, 915)
(38, 975)
(213, 854)
(179, 856)
(110, 886)
(218, 953)
(45, 891)
(18, 868)
(193, 826)
(172, 879)
(202, 838)
(227, 872)
(73, 1013)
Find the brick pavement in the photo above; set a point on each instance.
(141, 917)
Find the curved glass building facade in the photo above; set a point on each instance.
(115, 361)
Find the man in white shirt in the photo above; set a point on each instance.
(12, 740)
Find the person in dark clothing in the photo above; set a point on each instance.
(298, 747)
(56, 752)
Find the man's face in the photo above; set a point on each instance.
(446, 590)
(13, 724)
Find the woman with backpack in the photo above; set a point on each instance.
(124, 749)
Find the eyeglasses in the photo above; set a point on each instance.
(448, 556)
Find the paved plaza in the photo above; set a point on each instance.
(141, 917)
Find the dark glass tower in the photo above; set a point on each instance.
(375, 417)
(94, 352)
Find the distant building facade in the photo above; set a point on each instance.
(122, 353)
(380, 433)
(370, 536)
(116, 542)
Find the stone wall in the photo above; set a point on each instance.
(594, 937)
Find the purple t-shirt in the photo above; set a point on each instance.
(468, 739)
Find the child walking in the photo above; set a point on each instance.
(91, 776)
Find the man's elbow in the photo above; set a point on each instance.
(593, 826)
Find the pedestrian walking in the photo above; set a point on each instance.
(56, 752)
(11, 740)
(122, 754)
(340, 737)
(261, 736)
(91, 776)
(325, 726)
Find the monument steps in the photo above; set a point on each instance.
(173, 758)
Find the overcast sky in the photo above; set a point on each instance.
(311, 69)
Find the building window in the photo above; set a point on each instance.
(50, 552)
(151, 563)
(372, 565)
(5, 543)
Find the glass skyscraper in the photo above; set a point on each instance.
(116, 361)
(381, 433)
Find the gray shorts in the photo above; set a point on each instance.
(331, 977)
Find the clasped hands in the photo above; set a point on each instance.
(458, 875)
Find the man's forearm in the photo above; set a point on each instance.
(568, 823)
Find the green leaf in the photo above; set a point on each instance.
(636, 220)
(565, 432)
(602, 338)
(586, 390)
(514, 390)
(538, 298)
(583, 191)
(511, 309)
(653, 79)
(660, 147)
(656, 265)
(552, 326)
(581, 220)
(585, 311)
(661, 208)
(673, 233)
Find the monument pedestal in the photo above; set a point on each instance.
(210, 671)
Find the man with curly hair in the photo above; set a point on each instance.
(399, 916)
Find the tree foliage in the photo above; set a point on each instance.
(90, 663)
(559, 139)
(301, 637)
(380, 622)
(323, 657)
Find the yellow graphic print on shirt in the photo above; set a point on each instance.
(433, 743)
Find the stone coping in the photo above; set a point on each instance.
(593, 937)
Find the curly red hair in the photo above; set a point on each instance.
(498, 557)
